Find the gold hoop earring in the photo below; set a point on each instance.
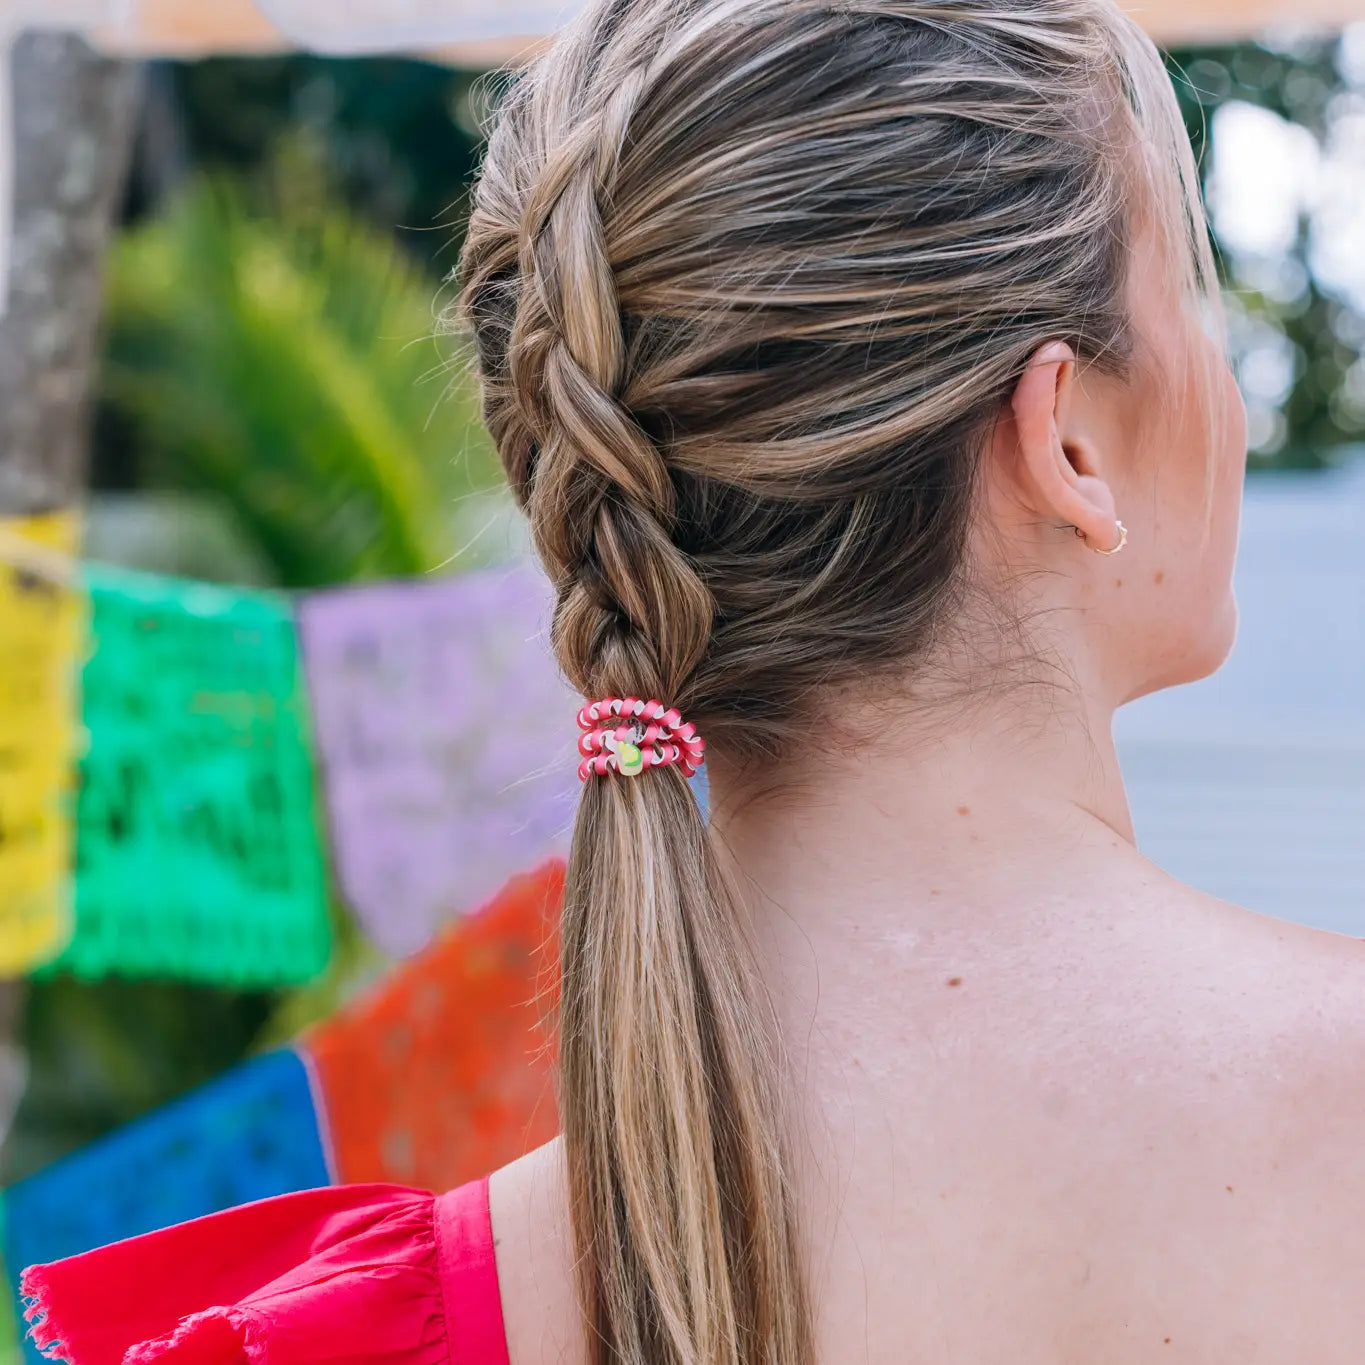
(1123, 539)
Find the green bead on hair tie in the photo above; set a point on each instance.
(629, 758)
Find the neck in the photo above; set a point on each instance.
(974, 849)
(943, 810)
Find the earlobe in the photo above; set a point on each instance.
(1120, 530)
(1093, 512)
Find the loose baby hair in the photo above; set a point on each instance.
(747, 282)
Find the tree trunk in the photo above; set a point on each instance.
(73, 125)
(73, 121)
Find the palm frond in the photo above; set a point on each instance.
(289, 365)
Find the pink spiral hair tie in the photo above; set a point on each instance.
(648, 735)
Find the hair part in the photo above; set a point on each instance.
(748, 280)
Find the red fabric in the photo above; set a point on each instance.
(351, 1275)
(469, 1277)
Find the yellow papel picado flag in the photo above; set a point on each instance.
(42, 616)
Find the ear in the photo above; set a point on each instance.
(1056, 468)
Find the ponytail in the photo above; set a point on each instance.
(682, 1214)
(683, 1221)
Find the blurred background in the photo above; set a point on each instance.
(270, 408)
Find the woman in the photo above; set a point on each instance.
(858, 364)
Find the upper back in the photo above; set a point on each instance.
(1163, 1161)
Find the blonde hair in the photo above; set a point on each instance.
(747, 281)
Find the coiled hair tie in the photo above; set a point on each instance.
(649, 735)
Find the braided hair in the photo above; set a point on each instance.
(748, 281)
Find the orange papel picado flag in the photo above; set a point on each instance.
(444, 1072)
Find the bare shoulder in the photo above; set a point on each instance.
(528, 1204)
(1303, 987)
(1292, 1007)
(1202, 1112)
(1320, 974)
(1219, 1102)
(1323, 995)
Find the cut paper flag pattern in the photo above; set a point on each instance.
(445, 1072)
(197, 837)
(248, 1135)
(159, 767)
(442, 1073)
(41, 632)
(447, 741)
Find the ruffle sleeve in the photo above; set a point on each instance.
(334, 1276)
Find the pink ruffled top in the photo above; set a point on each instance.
(378, 1274)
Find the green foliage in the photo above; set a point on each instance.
(1281, 304)
(286, 363)
(399, 136)
(102, 1053)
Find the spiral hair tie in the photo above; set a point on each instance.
(650, 735)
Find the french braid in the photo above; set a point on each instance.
(748, 281)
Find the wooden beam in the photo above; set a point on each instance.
(188, 29)
(193, 28)
(1177, 22)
